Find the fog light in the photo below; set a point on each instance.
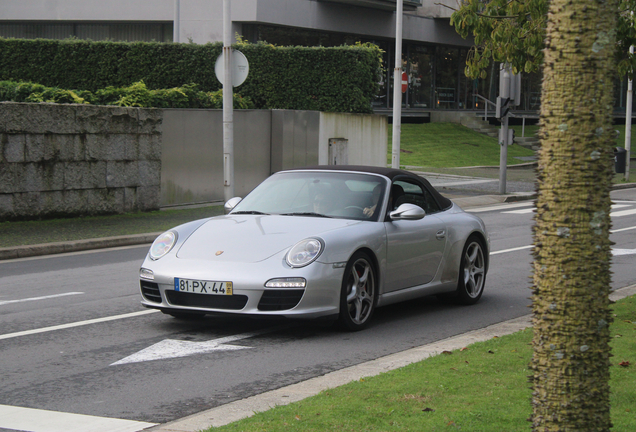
(286, 283)
(145, 273)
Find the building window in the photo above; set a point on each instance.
(147, 32)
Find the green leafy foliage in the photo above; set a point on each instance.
(136, 95)
(513, 31)
(338, 79)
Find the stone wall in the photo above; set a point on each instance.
(68, 160)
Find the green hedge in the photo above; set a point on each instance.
(339, 79)
(136, 95)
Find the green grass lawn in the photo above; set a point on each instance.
(481, 388)
(450, 145)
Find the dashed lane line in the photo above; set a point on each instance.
(4, 302)
(77, 324)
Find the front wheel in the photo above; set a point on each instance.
(358, 294)
(472, 273)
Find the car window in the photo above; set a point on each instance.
(411, 192)
(300, 193)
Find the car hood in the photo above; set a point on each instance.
(252, 238)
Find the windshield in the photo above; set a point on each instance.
(317, 194)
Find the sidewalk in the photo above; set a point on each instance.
(37, 238)
(467, 187)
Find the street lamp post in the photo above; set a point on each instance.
(397, 87)
(228, 107)
(628, 122)
(177, 21)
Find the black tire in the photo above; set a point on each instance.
(472, 272)
(358, 295)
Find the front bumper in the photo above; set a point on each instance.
(320, 297)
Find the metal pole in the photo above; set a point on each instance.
(397, 87)
(504, 92)
(176, 26)
(523, 126)
(628, 123)
(228, 106)
(503, 155)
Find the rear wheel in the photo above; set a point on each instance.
(472, 272)
(358, 294)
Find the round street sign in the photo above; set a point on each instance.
(240, 68)
(405, 82)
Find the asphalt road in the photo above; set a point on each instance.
(72, 353)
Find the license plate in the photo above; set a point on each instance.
(203, 287)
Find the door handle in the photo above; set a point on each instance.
(440, 234)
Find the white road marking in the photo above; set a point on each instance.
(501, 207)
(170, 348)
(522, 211)
(512, 250)
(530, 210)
(622, 229)
(507, 206)
(3, 302)
(77, 324)
(623, 213)
(37, 420)
(617, 252)
(438, 184)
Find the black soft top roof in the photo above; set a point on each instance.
(391, 173)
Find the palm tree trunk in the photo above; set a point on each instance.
(571, 317)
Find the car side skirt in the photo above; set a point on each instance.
(415, 292)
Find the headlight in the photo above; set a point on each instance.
(145, 273)
(163, 244)
(286, 283)
(304, 252)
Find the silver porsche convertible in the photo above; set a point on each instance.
(322, 242)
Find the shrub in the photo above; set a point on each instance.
(338, 79)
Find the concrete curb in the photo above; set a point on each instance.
(75, 246)
(247, 407)
(484, 200)
(16, 252)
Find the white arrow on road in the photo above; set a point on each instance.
(170, 348)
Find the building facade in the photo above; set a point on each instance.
(433, 54)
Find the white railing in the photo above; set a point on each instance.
(487, 102)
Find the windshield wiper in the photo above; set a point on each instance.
(305, 214)
(252, 212)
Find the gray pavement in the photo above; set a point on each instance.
(465, 190)
(247, 407)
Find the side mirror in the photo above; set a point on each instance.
(407, 212)
(231, 203)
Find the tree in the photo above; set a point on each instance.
(513, 31)
(571, 281)
(572, 253)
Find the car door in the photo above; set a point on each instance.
(414, 247)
